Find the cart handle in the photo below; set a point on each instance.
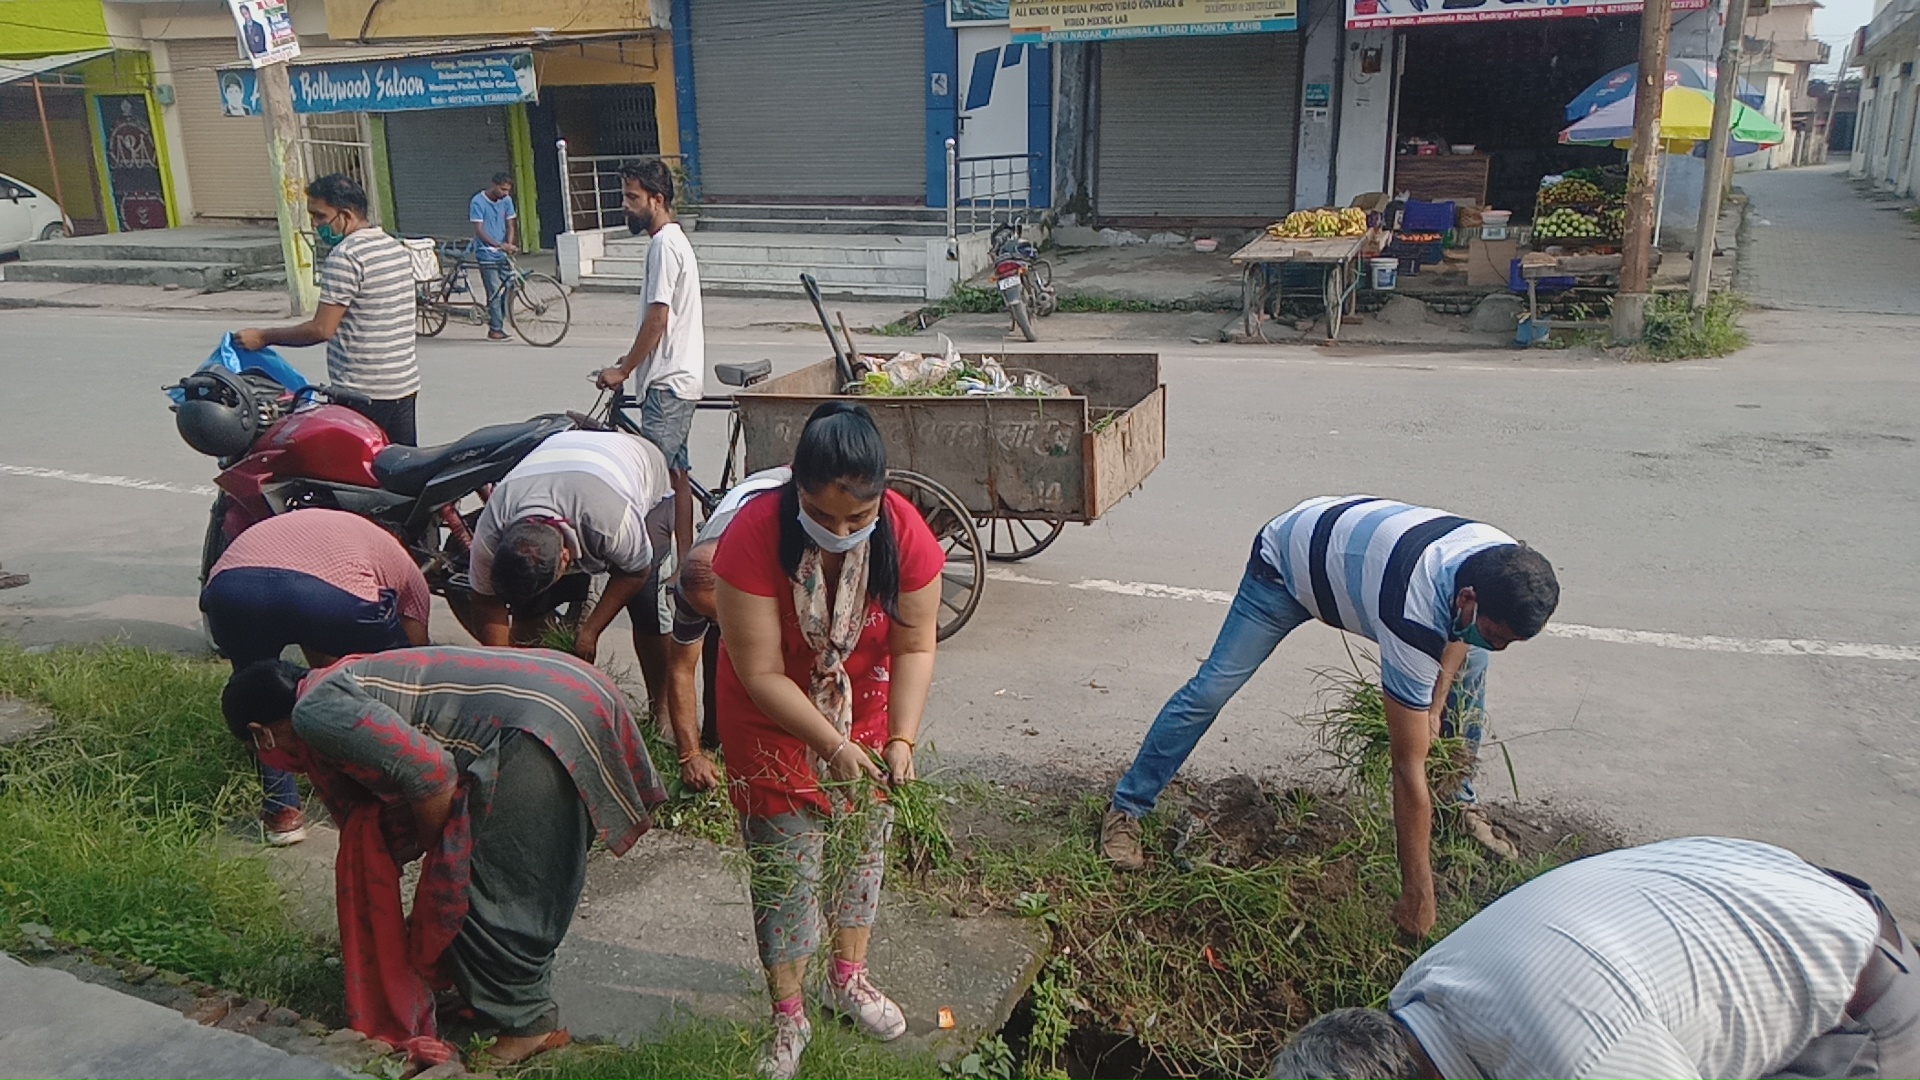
(842, 362)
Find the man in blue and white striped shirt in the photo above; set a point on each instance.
(1436, 592)
(1697, 957)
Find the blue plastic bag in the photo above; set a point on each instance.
(266, 361)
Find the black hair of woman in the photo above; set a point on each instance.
(842, 445)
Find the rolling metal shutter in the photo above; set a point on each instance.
(439, 159)
(796, 100)
(226, 155)
(1198, 127)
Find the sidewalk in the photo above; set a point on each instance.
(1814, 241)
(54, 1025)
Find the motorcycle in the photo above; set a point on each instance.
(1024, 279)
(283, 449)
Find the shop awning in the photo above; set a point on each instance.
(12, 70)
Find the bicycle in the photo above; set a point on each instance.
(964, 574)
(537, 304)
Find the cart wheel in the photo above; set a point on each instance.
(539, 310)
(1012, 539)
(966, 571)
(429, 313)
(1336, 298)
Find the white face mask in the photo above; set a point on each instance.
(827, 541)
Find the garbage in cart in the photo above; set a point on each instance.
(948, 374)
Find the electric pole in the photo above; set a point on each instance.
(290, 178)
(1726, 88)
(1643, 172)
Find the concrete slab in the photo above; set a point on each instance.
(667, 931)
(1151, 273)
(21, 720)
(54, 1025)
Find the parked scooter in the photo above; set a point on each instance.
(1024, 279)
(282, 450)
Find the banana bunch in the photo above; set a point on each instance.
(1320, 224)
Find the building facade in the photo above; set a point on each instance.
(1886, 147)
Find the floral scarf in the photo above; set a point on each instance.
(831, 635)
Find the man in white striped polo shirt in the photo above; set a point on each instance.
(1436, 592)
(366, 310)
(1686, 958)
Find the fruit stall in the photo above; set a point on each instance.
(1334, 242)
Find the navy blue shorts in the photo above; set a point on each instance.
(255, 612)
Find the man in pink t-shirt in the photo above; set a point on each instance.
(331, 582)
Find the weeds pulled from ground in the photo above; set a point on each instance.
(1257, 911)
(1675, 330)
(112, 827)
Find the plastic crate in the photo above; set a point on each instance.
(1543, 285)
(1427, 217)
(1428, 254)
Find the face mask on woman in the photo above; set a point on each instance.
(830, 542)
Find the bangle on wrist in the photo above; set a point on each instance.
(844, 740)
(911, 745)
(690, 755)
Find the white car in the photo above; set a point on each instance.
(27, 213)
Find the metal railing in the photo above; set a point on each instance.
(590, 186)
(340, 143)
(986, 191)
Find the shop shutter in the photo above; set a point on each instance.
(226, 155)
(799, 101)
(1198, 127)
(439, 159)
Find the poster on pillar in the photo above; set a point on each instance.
(1371, 14)
(266, 31)
(1108, 20)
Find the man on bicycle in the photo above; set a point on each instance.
(671, 342)
(496, 227)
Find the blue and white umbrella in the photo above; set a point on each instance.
(1618, 85)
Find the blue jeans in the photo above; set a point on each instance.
(1263, 612)
(493, 276)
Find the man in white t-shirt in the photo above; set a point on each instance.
(670, 348)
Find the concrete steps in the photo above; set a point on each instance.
(824, 220)
(770, 264)
(193, 257)
(183, 275)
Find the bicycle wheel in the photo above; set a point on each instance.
(1012, 539)
(965, 574)
(429, 311)
(539, 310)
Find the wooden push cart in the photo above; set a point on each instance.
(974, 464)
(1342, 260)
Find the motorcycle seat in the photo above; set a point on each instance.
(407, 470)
(743, 374)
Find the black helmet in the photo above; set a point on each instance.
(219, 417)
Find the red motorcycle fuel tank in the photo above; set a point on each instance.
(329, 442)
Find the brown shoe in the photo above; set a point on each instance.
(1481, 829)
(1120, 841)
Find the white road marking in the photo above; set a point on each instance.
(1658, 639)
(134, 482)
(1154, 591)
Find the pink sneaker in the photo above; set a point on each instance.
(859, 1000)
(790, 1037)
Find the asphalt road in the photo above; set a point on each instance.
(1736, 651)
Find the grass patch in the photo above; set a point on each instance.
(1675, 331)
(698, 1048)
(114, 818)
(1255, 913)
(1089, 304)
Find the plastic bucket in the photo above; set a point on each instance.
(1386, 272)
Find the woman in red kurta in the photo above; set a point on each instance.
(828, 598)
